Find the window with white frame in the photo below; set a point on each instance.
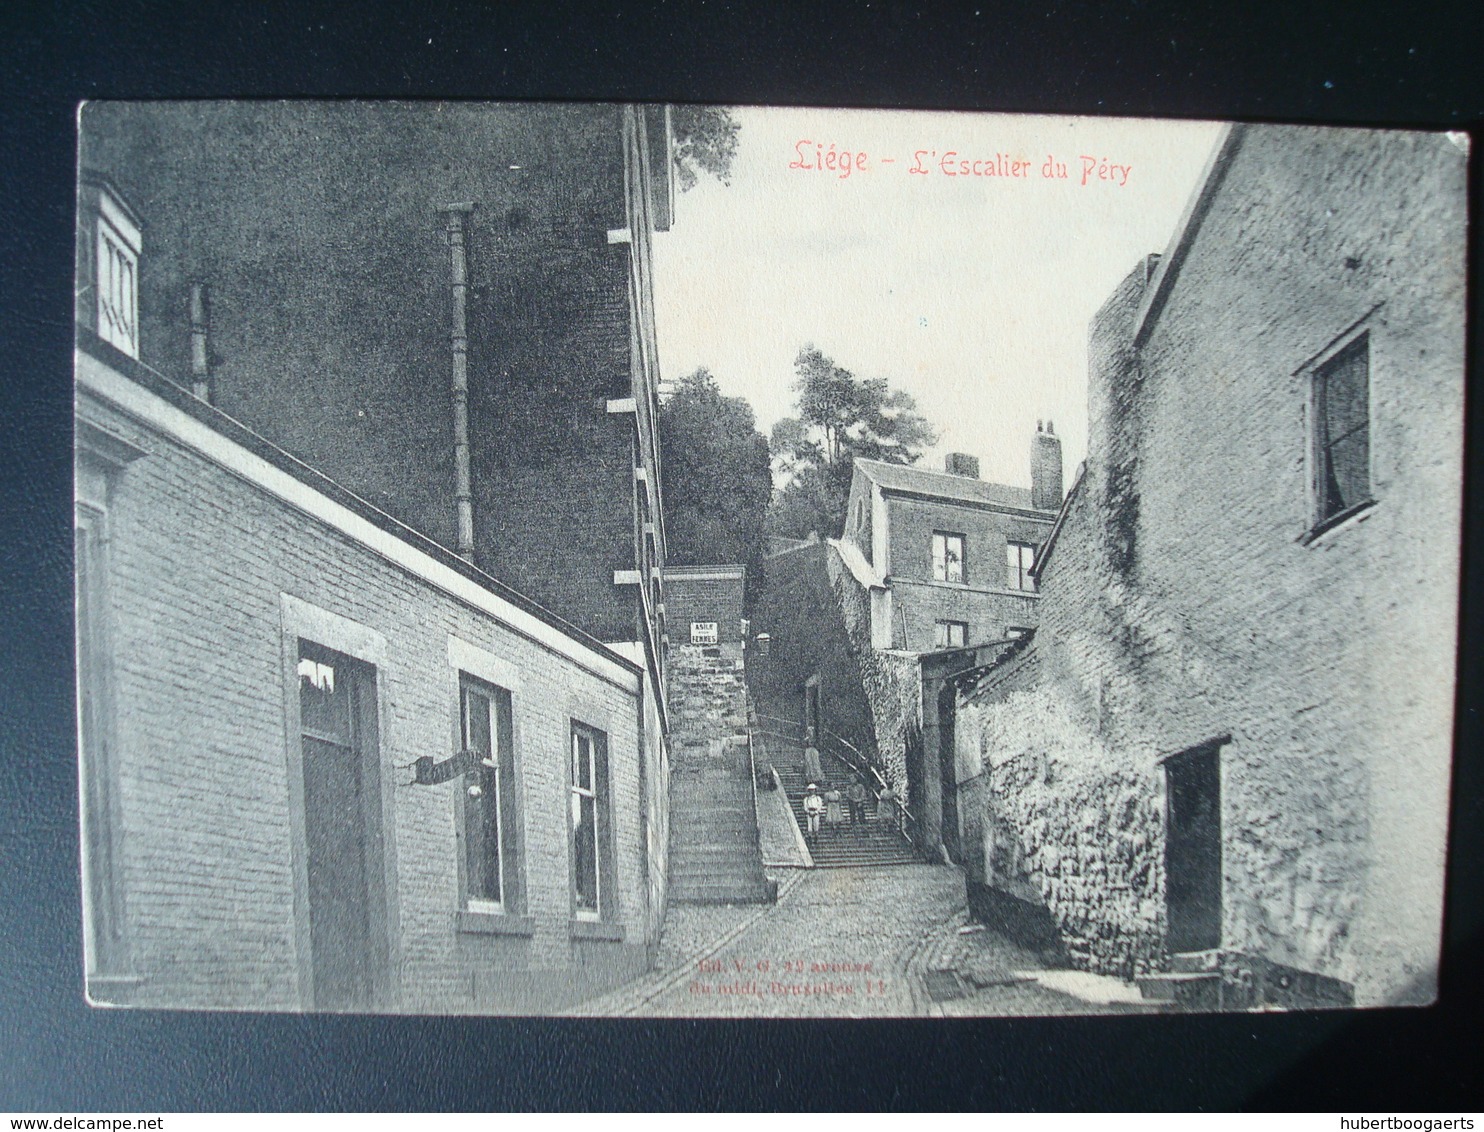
(948, 557)
(1340, 441)
(1020, 557)
(116, 267)
(589, 822)
(950, 634)
(486, 732)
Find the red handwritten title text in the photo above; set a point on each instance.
(842, 162)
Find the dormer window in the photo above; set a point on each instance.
(108, 267)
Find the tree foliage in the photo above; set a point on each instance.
(705, 142)
(717, 478)
(840, 417)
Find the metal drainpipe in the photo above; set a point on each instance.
(459, 342)
(200, 331)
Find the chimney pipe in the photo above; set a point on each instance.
(459, 342)
(1046, 479)
(961, 464)
(201, 342)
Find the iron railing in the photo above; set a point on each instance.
(852, 756)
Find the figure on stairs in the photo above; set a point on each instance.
(834, 813)
(813, 770)
(855, 794)
(813, 808)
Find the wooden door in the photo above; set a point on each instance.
(1193, 849)
(337, 710)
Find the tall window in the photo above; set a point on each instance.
(948, 557)
(1020, 556)
(589, 820)
(488, 809)
(950, 634)
(1342, 432)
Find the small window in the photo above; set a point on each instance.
(591, 870)
(489, 820)
(950, 634)
(1020, 556)
(1341, 442)
(948, 557)
(114, 269)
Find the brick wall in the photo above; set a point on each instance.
(1184, 602)
(199, 561)
(704, 593)
(985, 602)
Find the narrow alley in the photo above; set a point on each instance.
(844, 942)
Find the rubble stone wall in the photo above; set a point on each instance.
(892, 682)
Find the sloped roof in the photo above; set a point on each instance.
(903, 477)
(1044, 554)
(856, 563)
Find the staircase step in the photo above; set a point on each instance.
(757, 893)
(1195, 962)
(1191, 990)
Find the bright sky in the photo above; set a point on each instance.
(972, 293)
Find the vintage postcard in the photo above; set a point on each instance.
(757, 562)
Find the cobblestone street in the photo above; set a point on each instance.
(866, 942)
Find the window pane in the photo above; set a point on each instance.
(477, 722)
(582, 761)
(324, 700)
(585, 851)
(1346, 392)
(1348, 473)
(482, 827)
(1342, 394)
(954, 553)
(940, 559)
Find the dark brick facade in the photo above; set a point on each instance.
(704, 594)
(316, 228)
(892, 517)
(1189, 599)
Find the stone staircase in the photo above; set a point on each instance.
(846, 845)
(1192, 983)
(714, 853)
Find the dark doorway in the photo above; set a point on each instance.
(948, 767)
(1193, 849)
(337, 719)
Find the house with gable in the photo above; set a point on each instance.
(1206, 768)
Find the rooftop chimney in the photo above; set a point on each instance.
(1046, 483)
(960, 464)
